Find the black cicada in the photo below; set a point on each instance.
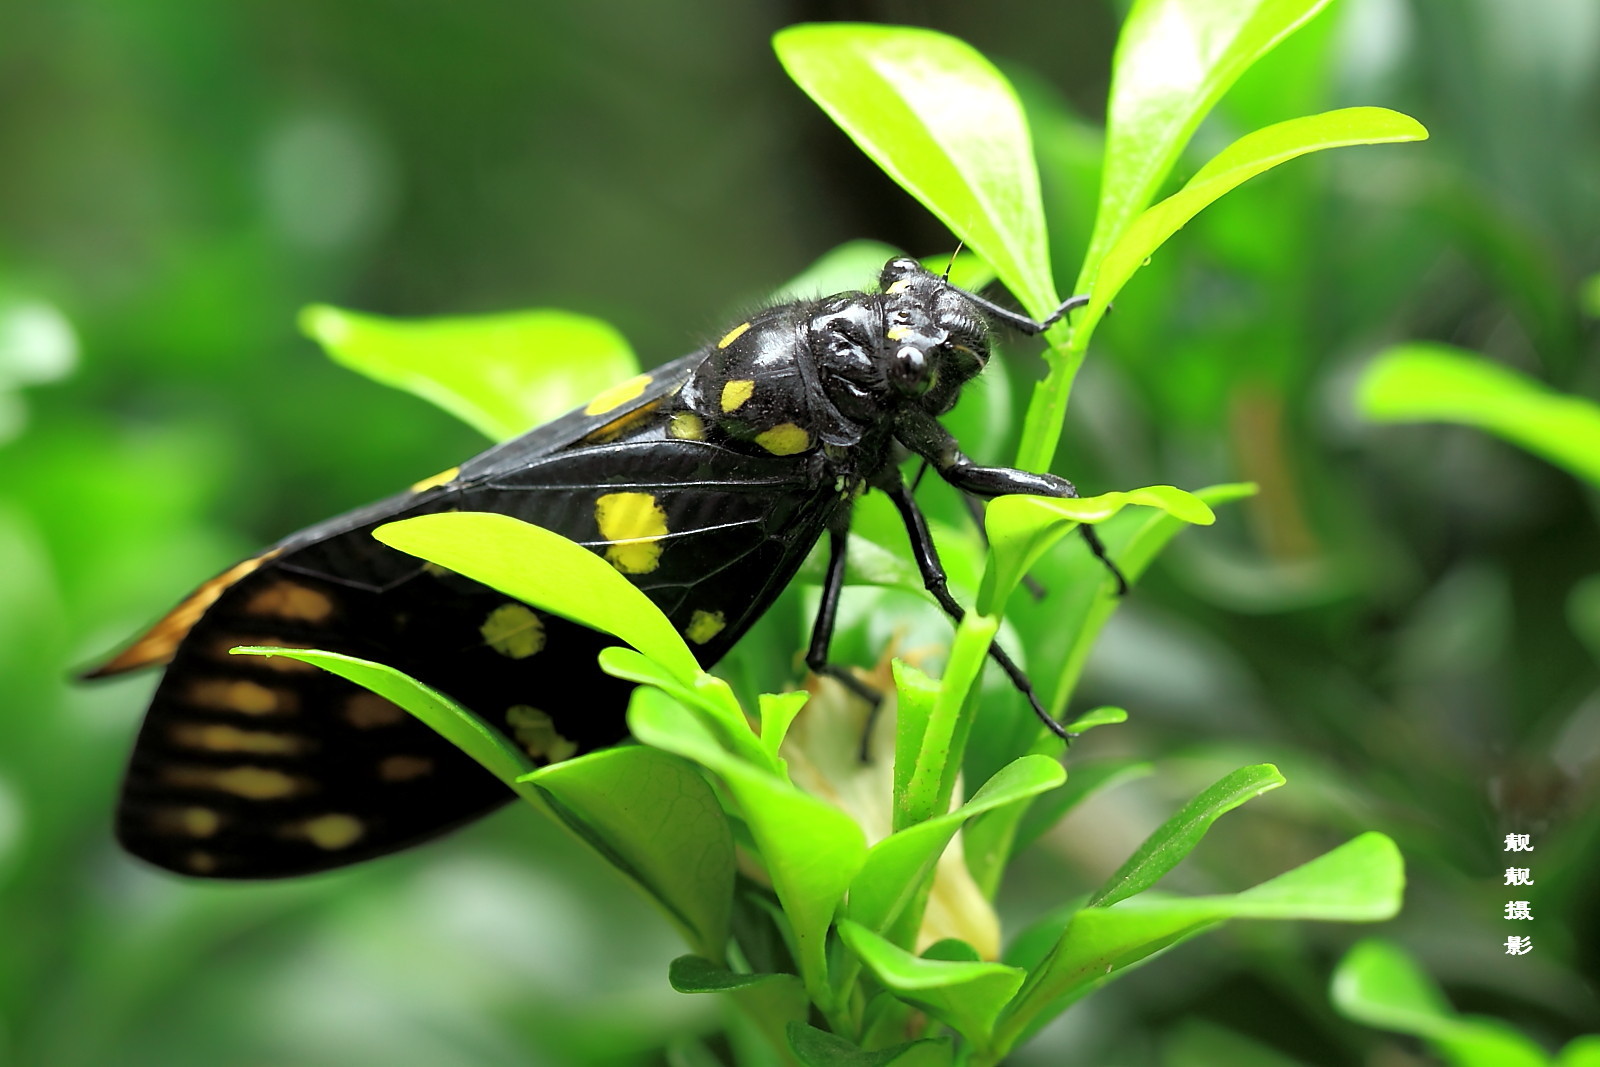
(707, 482)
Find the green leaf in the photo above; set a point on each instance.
(498, 373)
(944, 124)
(915, 695)
(546, 570)
(937, 757)
(1583, 612)
(1023, 528)
(965, 996)
(1379, 985)
(1360, 881)
(456, 724)
(818, 1048)
(1177, 837)
(1244, 159)
(657, 820)
(1580, 1052)
(777, 713)
(769, 1001)
(899, 867)
(696, 974)
(811, 850)
(1174, 60)
(1434, 382)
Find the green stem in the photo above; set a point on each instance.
(1047, 409)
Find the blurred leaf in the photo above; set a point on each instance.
(1589, 296)
(548, 571)
(1583, 612)
(1244, 159)
(966, 996)
(944, 124)
(987, 839)
(1360, 881)
(1379, 985)
(898, 867)
(1434, 382)
(1023, 528)
(818, 1048)
(456, 724)
(656, 819)
(1134, 557)
(1580, 1052)
(1177, 837)
(502, 374)
(1106, 716)
(853, 265)
(1198, 1043)
(1086, 779)
(1174, 60)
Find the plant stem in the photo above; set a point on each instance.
(1047, 408)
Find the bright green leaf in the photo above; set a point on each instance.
(1360, 881)
(966, 996)
(456, 724)
(1434, 382)
(898, 867)
(1379, 985)
(777, 713)
(1177, 837)
(944, 124)
(501, 374)
(655, 818)
(937, 760)
(811, 850)
(1580, 1052)
(1023, 528)
(1244, 159)
(916, 694)
(548, 571)
(1174, 60)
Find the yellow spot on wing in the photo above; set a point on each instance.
(687, 426)
(366, 710)
(784, 439)
(252, 783)
(290, 600)
(513, 630)
(733, 335)
(634, 524)
(162, 640)
(617, 395)
(215, 737)
(736, 392)
(248, 698)
(200, 862)
(536, 732)
(404, 768)
(704, 625)
(442, 478)
(333, 831)
(191, 822)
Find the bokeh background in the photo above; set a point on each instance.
(1392, 621)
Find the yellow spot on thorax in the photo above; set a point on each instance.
(366, 710)
(784, 439)
(252, 783)
(736, 392)
(442, 478)
(898, 287)
(333, 831)
(733, 335)
(215, 737)
(617, 395)
(290, 600)
(536, 732)
(513, 630)
(404, 768)
(704, 625)
(634, 524)
(897, 332)
(687, 426)
(248, 698)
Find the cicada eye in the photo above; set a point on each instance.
(909, 371)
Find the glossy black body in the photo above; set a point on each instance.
(707, 482)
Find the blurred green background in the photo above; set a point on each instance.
(1397, 620)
